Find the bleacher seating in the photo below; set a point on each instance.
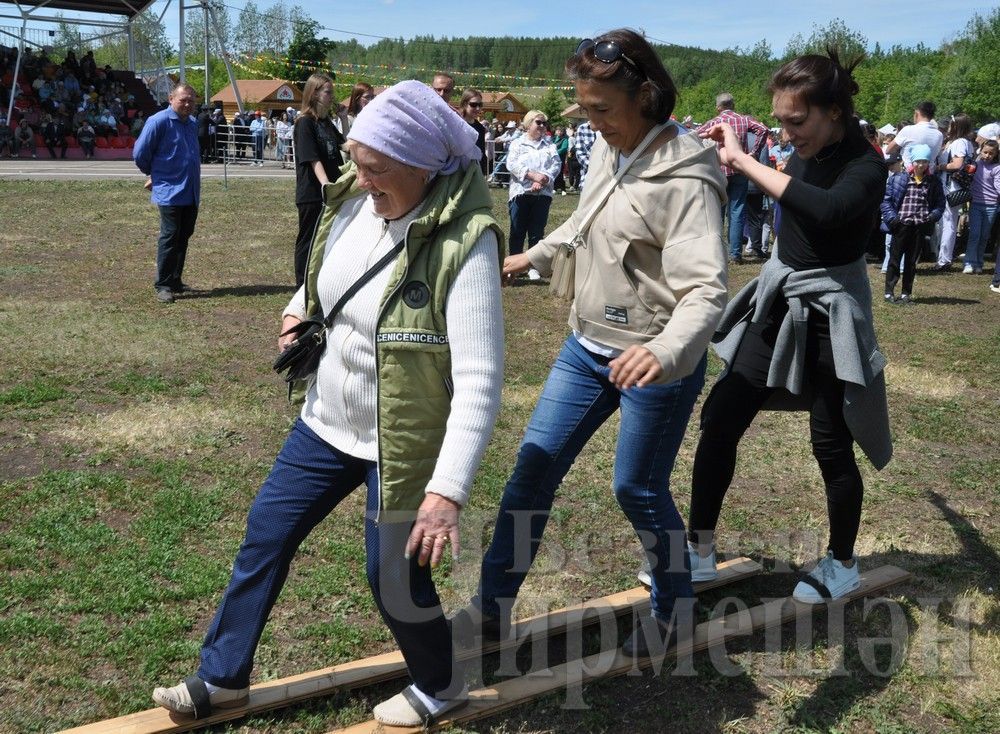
(29, 105)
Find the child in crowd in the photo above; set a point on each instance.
(913, 203)
(894, 162)
(983, 208)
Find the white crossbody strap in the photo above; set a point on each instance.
(585, 222)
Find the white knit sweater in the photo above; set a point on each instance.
(341, 404)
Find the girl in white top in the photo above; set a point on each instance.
(956, 152)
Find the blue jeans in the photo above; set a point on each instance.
(176, 228)
(736, 190)
(258, 148)
(308, 480)
(980, 223)
(575, 402)
(528, 215)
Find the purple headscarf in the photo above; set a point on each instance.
(410, 123)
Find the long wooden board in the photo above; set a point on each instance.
(514, 692)
(379, 668)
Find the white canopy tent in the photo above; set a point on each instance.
(35, 11)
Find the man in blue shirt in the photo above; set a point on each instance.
(167, 152)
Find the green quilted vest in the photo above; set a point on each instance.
(412, 353)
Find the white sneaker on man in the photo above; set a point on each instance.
(967, 270)
(830, 580)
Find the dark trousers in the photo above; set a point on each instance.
(53, 144)
(730, 409)
(574, 172)
(756, 216)
(176, 228)
(308, 218)
(308, 480)
(88, 148)
(528, 215)
(905, 243)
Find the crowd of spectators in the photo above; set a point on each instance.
(57, 104)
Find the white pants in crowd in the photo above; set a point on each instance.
(949, 229)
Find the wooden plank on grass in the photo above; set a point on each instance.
(611, 663)
(379, 668)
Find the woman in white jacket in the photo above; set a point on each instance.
(533, 164)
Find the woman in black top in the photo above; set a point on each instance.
(318, 160)
(806, 338)
(471, 107)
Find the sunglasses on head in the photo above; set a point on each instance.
(607, 52)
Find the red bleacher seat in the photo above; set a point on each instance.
(101, 142)
(130, 113)
(71, 142)
(122, 128)
(119, 142)
(39, 140)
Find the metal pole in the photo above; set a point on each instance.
(131, 46)
(180, 41)
(17, 68)
(204, 12)
(225, 59)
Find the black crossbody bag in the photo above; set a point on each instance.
(300, 359)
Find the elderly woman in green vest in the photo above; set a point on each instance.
(403, 402)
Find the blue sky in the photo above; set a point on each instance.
(717, 24)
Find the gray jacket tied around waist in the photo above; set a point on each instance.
(843, 294)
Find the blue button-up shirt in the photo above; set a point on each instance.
(167, 150)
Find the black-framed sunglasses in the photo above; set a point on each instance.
(607, 52)
(475, 104)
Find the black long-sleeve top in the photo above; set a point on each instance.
(831, 204)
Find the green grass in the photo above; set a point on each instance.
(133, 437)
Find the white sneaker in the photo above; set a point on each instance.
(644, 578)
(995, 287)
(967, 270)
(534, 274)
(829, 580)
(702, 568)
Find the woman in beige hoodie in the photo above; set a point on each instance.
(650, 286)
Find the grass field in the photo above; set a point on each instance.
(133, 437)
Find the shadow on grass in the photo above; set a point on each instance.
(945, 301)
(836, 696)
(243, 290)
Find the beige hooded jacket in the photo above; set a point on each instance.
(653, 269)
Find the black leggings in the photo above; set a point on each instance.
(308, 217)
(730, 409)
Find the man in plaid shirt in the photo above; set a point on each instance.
(736, 183)
(585, 138)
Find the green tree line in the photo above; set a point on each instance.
(280, 41)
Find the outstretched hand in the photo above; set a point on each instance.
(729, 145)
(514, 265)
(436, 525)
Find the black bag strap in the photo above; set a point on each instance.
(360, 282)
